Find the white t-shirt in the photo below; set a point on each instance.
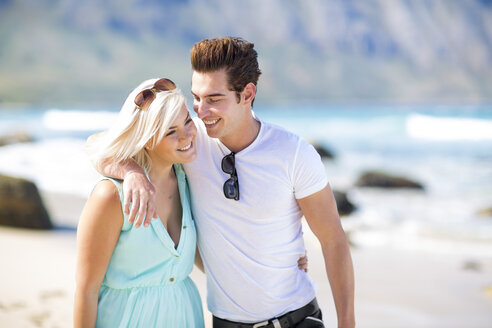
(250, 247)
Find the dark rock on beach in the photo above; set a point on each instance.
(385, 180)
(15, 138)
(21, 205)
(471, 265)
(344, 205)
(324, 152)
(485, 212)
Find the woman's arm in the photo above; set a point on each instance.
(97, 234)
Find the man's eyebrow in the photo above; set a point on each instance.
(210, 95)
(216, 95)
(186, 119)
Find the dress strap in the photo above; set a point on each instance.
(119, 186)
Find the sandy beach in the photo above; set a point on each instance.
(394, 288)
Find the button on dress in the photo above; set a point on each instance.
(147, 281)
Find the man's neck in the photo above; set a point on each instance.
(244, 137)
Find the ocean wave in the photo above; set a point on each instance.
(78, 120)
(448, 128)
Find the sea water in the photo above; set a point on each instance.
(448, 149)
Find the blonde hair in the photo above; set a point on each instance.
(135, 129)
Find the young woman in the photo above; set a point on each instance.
(139, 277)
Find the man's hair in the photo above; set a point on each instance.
(236, 55)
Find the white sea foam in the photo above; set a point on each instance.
(422, 220)
(58, 165)
(75, 120)
(442, 218)
(448, 128)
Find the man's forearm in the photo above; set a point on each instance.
(137, 189)
(339, 269)
(118, 170)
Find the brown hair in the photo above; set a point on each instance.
(236, 55)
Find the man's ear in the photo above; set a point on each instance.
(249, 93)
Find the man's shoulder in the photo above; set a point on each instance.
(287, 144)
(279, 131)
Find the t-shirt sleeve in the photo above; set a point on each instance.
(309, 171)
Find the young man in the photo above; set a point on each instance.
(250, 186)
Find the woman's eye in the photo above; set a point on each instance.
(170, 132)
(189, 121)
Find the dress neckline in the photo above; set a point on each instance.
(158, 226)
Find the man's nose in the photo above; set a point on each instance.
(200, 109)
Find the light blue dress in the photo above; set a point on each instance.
(146, 283)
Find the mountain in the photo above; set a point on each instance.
(92, 53)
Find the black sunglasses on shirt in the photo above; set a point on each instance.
(231, 186)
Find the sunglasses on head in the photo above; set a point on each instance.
(231, 186)
(145, 97)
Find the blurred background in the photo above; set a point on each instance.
(398, 93)
(68, 53)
